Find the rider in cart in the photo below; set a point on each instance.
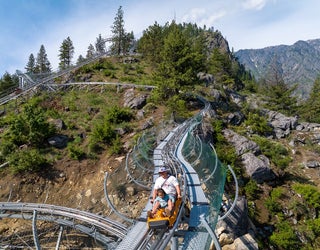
(171, 187)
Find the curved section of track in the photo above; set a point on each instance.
(86, 221)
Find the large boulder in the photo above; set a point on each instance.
(307, 126)
(58, 141)
(232, 231)
(258, 167)
(235, 96)
(236, 223)
(58, 124)
(215, 94)
(206, 126)
(281, 124)
(245, 242)
(206, 78)
(241, 143)
(235, 118)
(134, 101)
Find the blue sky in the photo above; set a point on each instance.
(246, 24)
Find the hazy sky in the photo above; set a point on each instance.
(246, 24)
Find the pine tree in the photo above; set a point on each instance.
(7, 82)
(90, 51)
(118, 32)
(66, 53)
(220, 66)
(31, 65)
(121, 42)
(179, 64)
(128, 42)
(80, 59)
(100, 45)
(310, 110)
(42, 62)
(151, 43)
(278, 95)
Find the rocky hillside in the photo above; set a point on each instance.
(80, 183)
(299, 62)
(276, 158)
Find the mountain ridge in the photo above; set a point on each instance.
(299, 62)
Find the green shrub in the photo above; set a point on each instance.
(252, 190)
(30, 127)
(75, 152)
(94, 100)
(117, 115)
(178, 107)
(84, 70)
(284, 237)
(150, 108)
(278, 154)
(250, 86)
(277, 193)
(128, 79)
(102, 132)
(314, 225)
(272, 203)
(217, 126)
(258, 124)
(6, 148)
(116, 146)
(140, 70)
(126, 68)
(98, 65)
(309, 193)
(108, 72)
(226, 154)
(225, 151)
(26, 160)
(109, 65)
(94, 147)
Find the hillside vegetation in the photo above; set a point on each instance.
(98, 128)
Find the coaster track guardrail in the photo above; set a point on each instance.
(99, 226)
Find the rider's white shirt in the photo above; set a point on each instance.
(168, 186)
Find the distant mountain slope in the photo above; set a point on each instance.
(300, 62)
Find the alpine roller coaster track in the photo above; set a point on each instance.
(110, 233)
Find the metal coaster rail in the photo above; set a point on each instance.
(104, 226)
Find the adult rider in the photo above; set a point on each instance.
(170, 185)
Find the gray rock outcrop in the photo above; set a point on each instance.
(241, 143)
(206, 78)
(133, 101)
(256, 165)
(281, 124)
(232, 231)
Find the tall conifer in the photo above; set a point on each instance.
(31, 65)
(100, 45)
(66, 53)
(90, 51)
(42, 63)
